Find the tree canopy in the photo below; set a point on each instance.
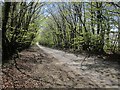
(76, 26)
(82, 26)
(19, 26)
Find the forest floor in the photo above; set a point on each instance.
(42, 67)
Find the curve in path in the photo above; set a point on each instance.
(99, 73)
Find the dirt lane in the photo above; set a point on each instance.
(103, 73)
(41, 67)
(36, 69)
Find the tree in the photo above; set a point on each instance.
(16, 31)
(84, 26)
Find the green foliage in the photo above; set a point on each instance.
(19, 26)
(81, 26)
(46, 38)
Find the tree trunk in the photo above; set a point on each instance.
(92, 26)
(5, 42)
